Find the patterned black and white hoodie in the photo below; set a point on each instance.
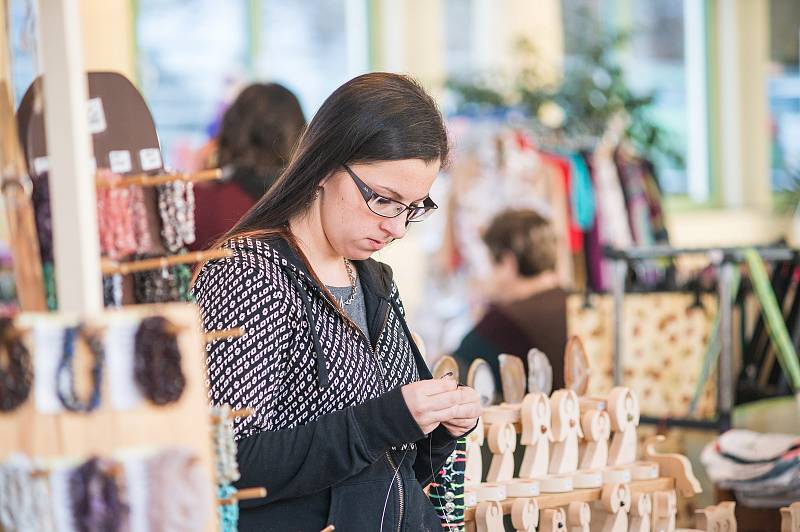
(330, 425)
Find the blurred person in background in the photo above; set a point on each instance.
(256, 137)
(528, 307)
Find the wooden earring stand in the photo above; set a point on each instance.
(489, 517)
(536, 436)
(502, 442)
(552, 520)
(579, 517)
(525, 515)
(641, 510)
(566, 432)
(719, 518)
(623, 410)
(597, 431)
(611, 511)
(790, 518)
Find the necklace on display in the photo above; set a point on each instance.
(352, 277)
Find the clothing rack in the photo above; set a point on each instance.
(725, 260)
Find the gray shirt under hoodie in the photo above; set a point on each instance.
(357, 310)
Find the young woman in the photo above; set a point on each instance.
(348, 425)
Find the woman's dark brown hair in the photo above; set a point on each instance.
(258, 133)
(374, 117)
(527, 236)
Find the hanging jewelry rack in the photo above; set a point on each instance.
(145, 180)
(110, 267)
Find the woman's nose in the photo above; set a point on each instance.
(396, 227)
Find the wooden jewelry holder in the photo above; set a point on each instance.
(790, 518)
(641, 510)
(525, 515)
(579, 517)
(489, 517)
(474, 466)
(552, 520)
(536, 435)
(512, 376)
(719, 518)
(665, 506)
(623, 410)
(502, 442)
(610, 513)
(566, 430)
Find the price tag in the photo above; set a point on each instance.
(120, 161)
(97, 116)
(150, 159)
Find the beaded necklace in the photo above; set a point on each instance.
(157, 361)
(65, 376)
(16, 374)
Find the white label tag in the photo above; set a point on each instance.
(120, 161)
(97, 116)
(150, 159)
(41, 165)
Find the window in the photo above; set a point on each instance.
(783, 87)
(195, 56)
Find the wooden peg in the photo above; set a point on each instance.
(665, 506)
(790, 518)
(329, 528)
(566, 428)
(576, 366)
(552, 520)
(673, 465)
(536, 435)
(474, 466)
(596, 431)
(512, 376)
(525, 515)
(244, 495)
(623, 410)
(579, 517)
(489, 517)
(613, 507)
(213, 336)
(502, 442)
(641, 510)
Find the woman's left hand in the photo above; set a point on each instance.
(465, 413)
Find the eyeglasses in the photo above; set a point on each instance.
(389, 208)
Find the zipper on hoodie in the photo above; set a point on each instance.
(381, 385)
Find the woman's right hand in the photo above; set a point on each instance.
(431, 401)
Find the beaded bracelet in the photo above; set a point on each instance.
(227, 467)
(65, 378)
(96, 501)
(157, 361)
(16, 374)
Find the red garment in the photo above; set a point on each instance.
(563, 168)
(218, 206)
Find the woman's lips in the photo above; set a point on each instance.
(376, 244)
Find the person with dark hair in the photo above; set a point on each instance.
(256, 138)
(528, 307)
(347, 423)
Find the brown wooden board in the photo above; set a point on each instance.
(185, 423)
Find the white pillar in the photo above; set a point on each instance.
(72, 186)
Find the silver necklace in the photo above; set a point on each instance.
(352, 277)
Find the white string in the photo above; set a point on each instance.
(389, 491)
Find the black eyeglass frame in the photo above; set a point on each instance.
(368, 194)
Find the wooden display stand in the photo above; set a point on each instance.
(106, 431)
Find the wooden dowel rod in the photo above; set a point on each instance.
(213, 336)
(111, 267)
(145, 180)
(243, 495)
(242, 412)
